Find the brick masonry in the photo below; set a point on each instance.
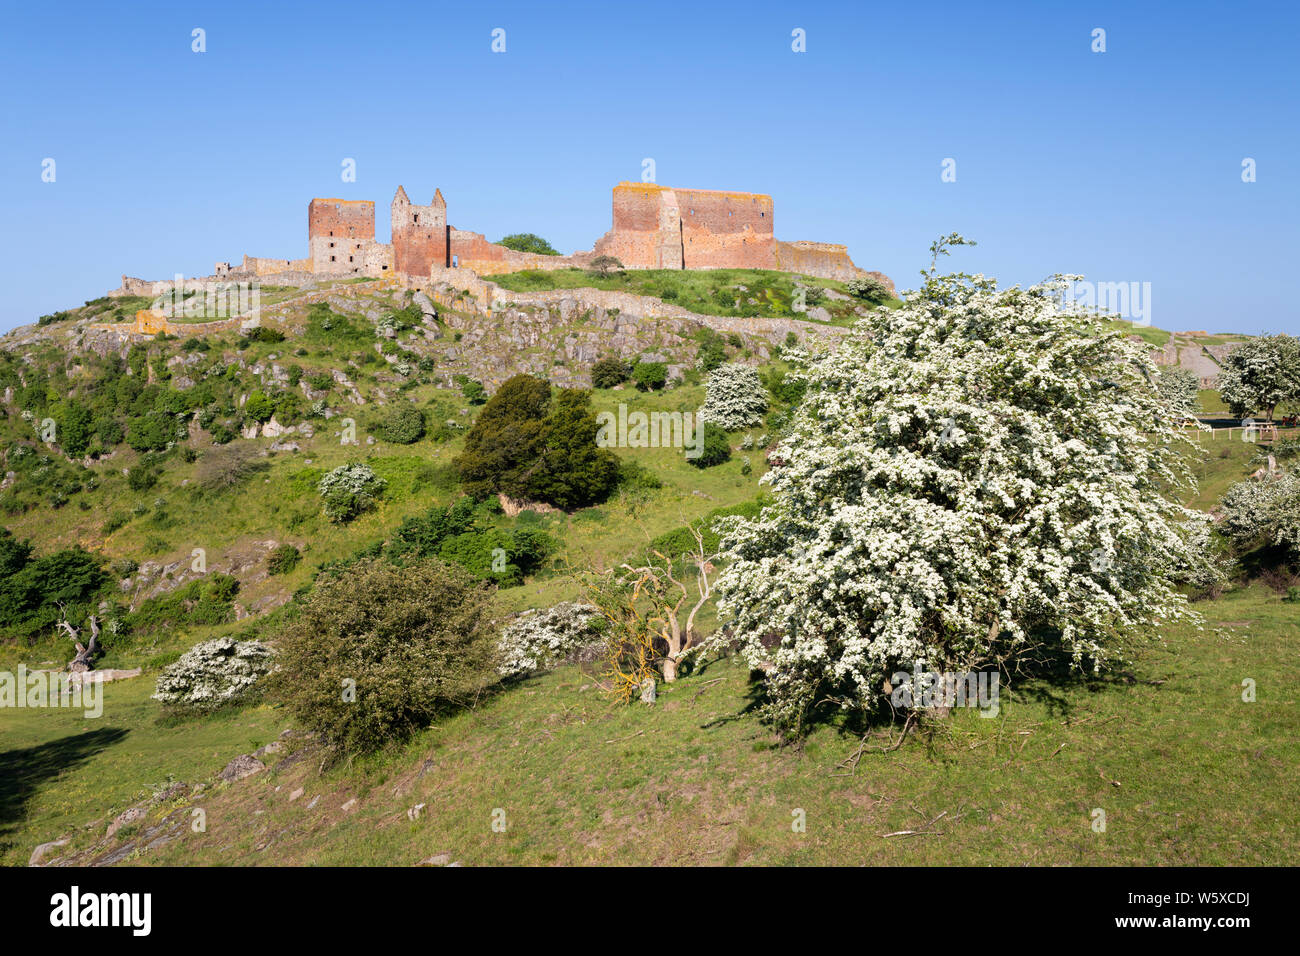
(653, 227)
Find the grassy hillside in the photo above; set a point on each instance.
(1185, 771)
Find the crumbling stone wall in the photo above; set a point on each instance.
(725, 230)
(347, 256)
(461, 289)
(653, 227)
(658, 227)
(646, 231)
(470, 250)
(259, 266)
(822, 259)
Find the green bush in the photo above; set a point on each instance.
(526, 447)
(650, 376)
(202, 602)
(283, 559)
(142, 477)
(712, 351)
(152, 431)
(873, 290)
(32, 590)
(381, 651)
(609, 372)
(716, 447)
(259, 407)
(262, 333)
(349, 490)
(403, 425)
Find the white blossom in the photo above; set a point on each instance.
(734, 397)
(975, 472)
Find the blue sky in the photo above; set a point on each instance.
(1125, 166)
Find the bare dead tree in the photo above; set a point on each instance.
(658, 581)
(85, 653)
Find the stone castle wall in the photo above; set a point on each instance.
(823, 259)
(653, 227)
(342, 218)
(471, 250)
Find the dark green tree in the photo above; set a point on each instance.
(505, 444)
(574, 472)
(527, 242)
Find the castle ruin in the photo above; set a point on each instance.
(654, 227)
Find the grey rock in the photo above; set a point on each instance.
(245, 765)
(127, 816)
(38, 854)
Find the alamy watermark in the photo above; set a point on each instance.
(650, 430)
(210, 300)
(1129, 300)
(931, 690)
(40, 688)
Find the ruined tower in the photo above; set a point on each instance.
(340, 235)
(420, 234)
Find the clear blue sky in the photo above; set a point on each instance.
(1123, 165)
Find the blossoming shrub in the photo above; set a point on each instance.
(1179, 387)
(349, 490)
(539, 639)
(213, 674)
(973, 475)
(735, 397)
(1267, 512)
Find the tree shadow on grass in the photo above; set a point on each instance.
(24, 770)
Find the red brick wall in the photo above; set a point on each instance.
(726, 230)
(341, 217)
(417, 248)
(718, 230)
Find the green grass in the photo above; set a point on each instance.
(61, 772)
(725, 292)
(1148, 333)
(1186, 772)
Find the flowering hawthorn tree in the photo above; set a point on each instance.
(734, 398)
(1180, 388)
(1266, 511)
(1260, 374)
(538, 639)
(349, 490)
(976, 474)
